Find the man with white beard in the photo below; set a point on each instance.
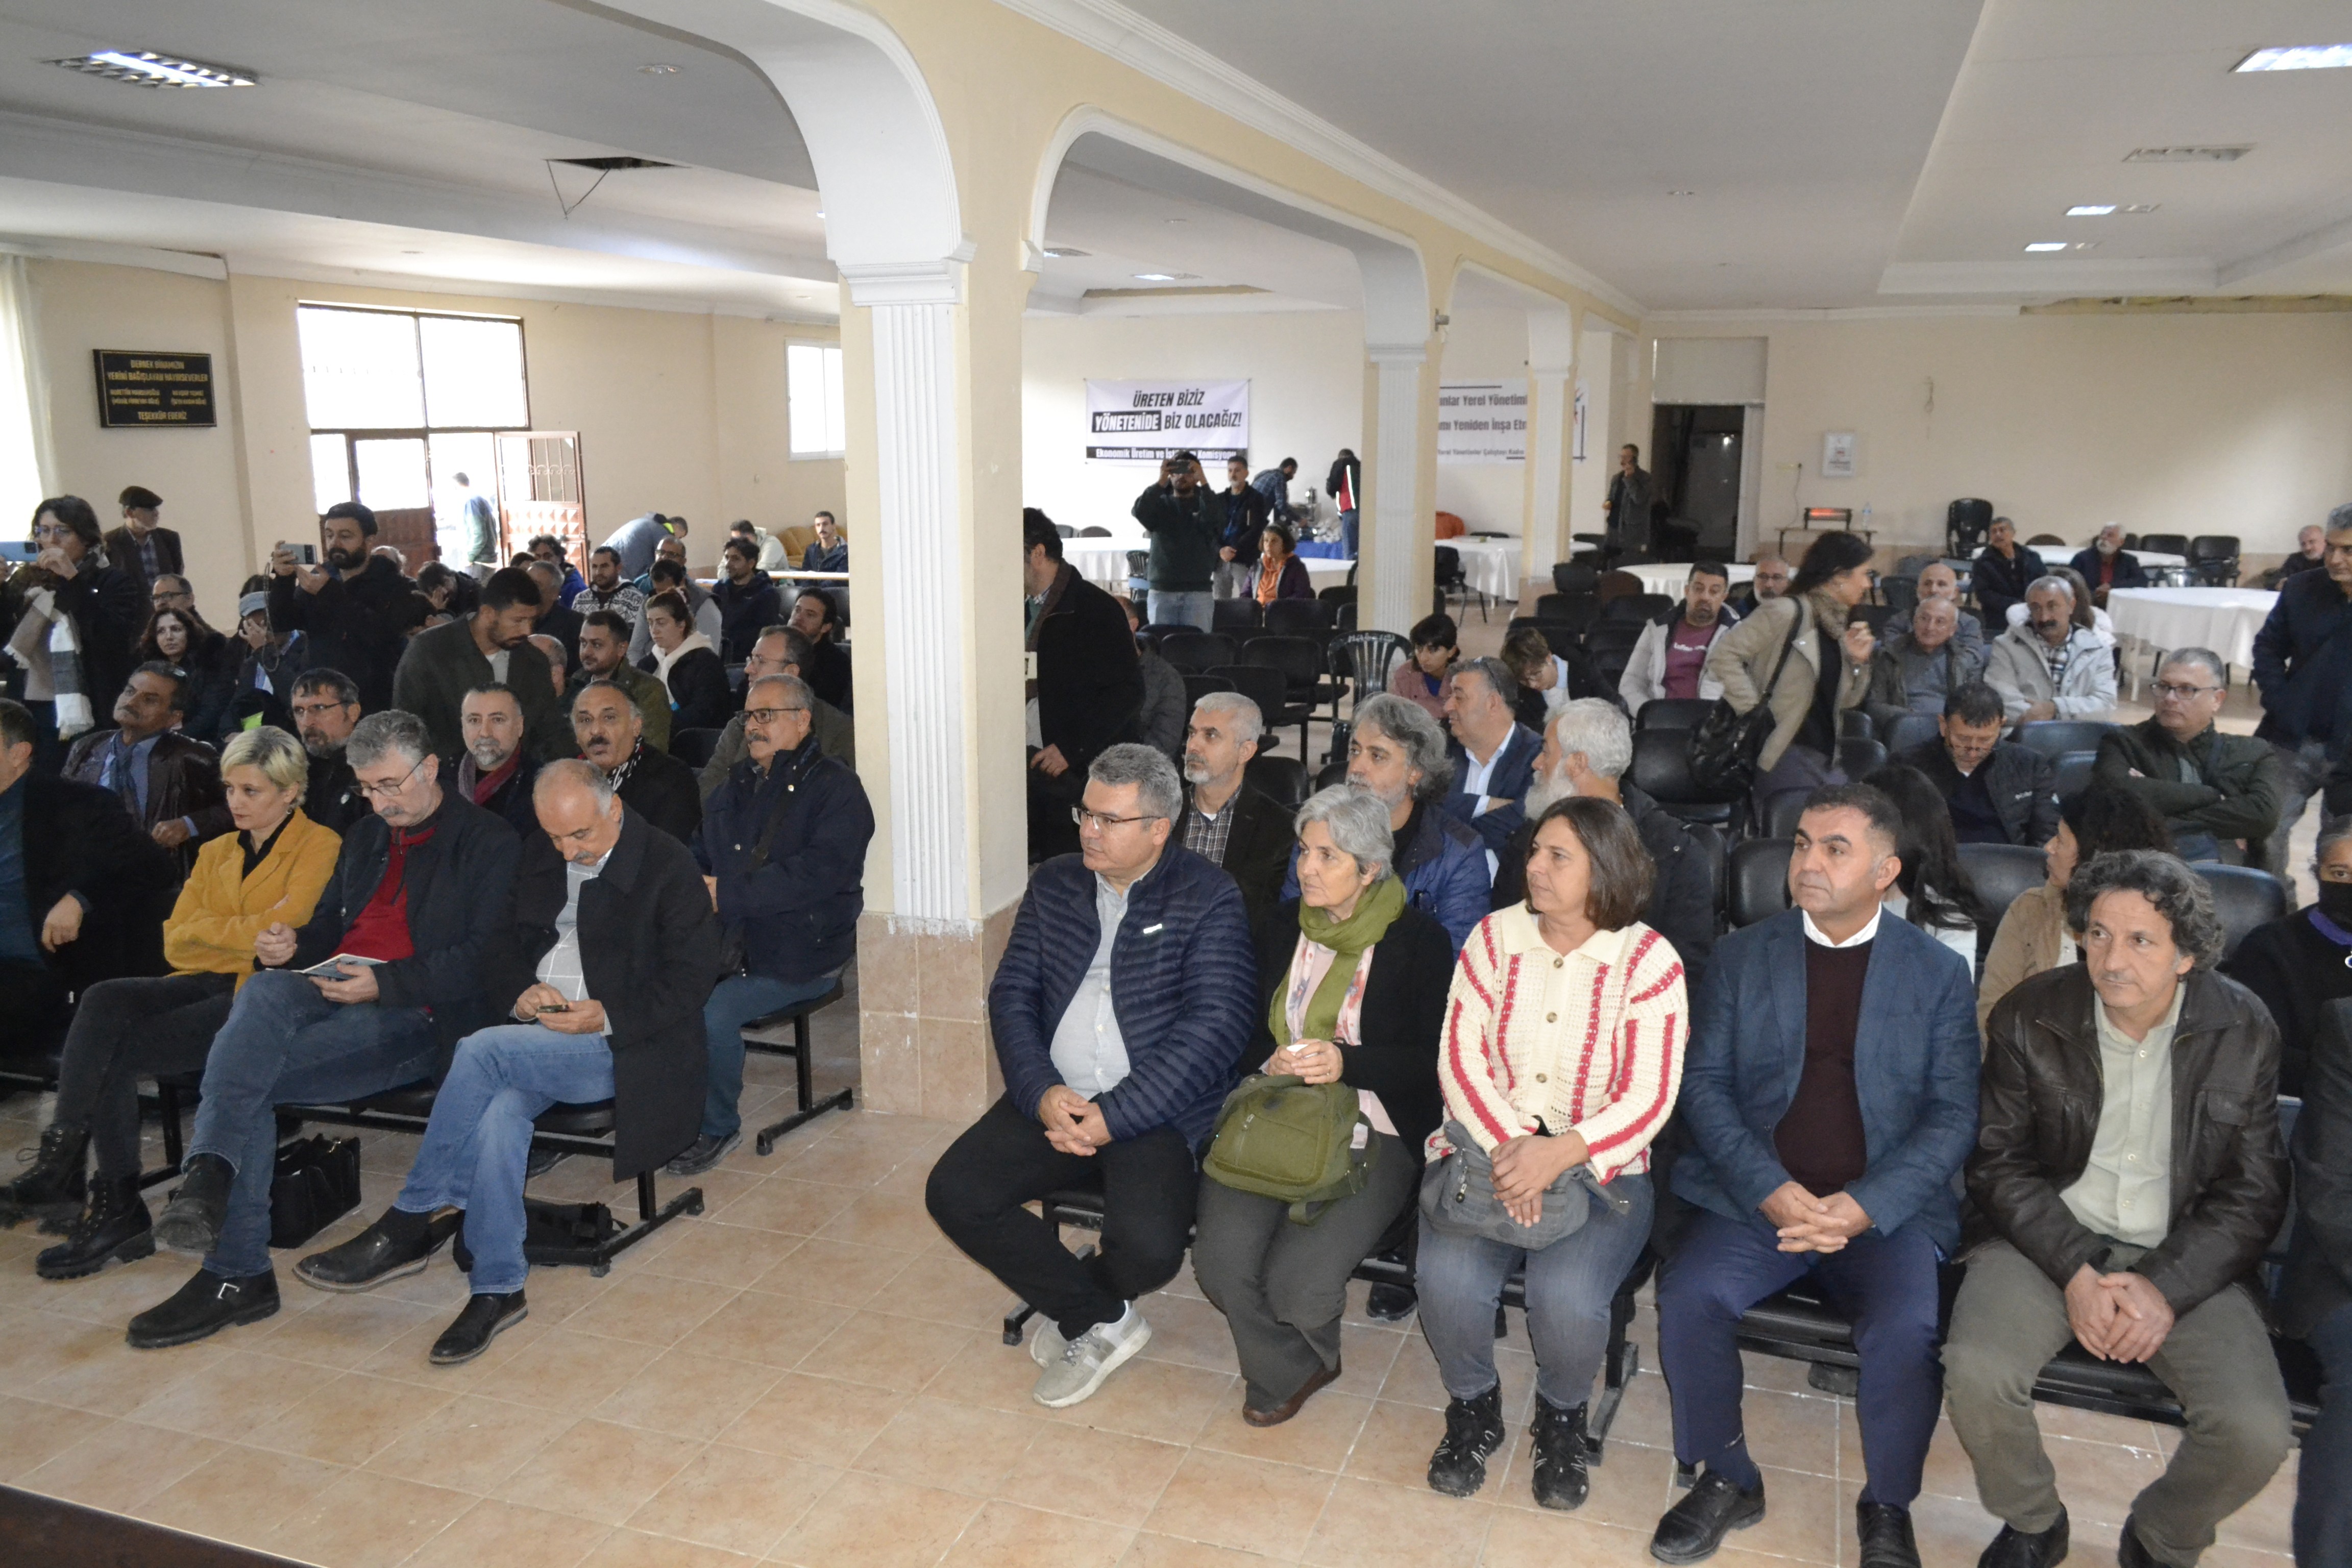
(1587, 745)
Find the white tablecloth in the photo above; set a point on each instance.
(1668, 576)
(1103, 561)
(2224, 619)
(1491, 565)
(2145, 557)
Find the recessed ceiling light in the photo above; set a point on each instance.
(1155, 278)
(658, 70)
(144, 67)
(2298, 58)
(1064, 252)
(2140, 207)
(2187, 154)
(1682, 193)
(2047, 245)
(1175, 220)
(411, 253)
(2091, 211)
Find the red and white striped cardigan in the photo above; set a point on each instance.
(1579, 1040)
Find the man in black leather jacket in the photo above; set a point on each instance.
(1998, 792)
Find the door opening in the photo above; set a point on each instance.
(1695, 462)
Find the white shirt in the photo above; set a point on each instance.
(1961, 940)
(1869, 932)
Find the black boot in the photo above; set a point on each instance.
(2014, 1548)
(1387, 1303)
(56, 1187)
(1693, 1528)
(114, 1228)
(393, 1248)
(192, 1220)
(486, 1317)
(1473, 1430)
(1560, 1455)
(202, 1308)
(1887, 1538)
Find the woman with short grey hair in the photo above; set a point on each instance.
(1397, 752)
(1354, 981)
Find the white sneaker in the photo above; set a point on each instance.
(1046, 1345)
(1090, 1358)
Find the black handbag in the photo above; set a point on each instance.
(553, 1235)
(315, 1184)
(1725, 748)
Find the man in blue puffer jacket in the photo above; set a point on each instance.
(1125, 994)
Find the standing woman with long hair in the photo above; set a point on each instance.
(1932, 890)
(69, 619)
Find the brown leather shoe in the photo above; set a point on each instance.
(1295, 1403)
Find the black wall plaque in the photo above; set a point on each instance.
(141, 389)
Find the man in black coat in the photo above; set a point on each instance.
(608, 958)
(2303, 667)
(169, 780)
(2000, 574)
(654, 785)
(2104, 563)
(1228, 821)
(326, 706)
(2315, 1304)
(1998, 792)
(355, 612)
(497, 769)
(1084, 684)
(143, 546)
(421, 892)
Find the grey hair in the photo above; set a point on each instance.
(390, 731)
(1160, 791)
(1493, 671)
(2331, 833)
(279, 755)
(2053, 581)
(1246, 721)
(573, 771)
(1597, 729)
(2204, 658)
(1357, 821)
(1408, 723)
(2179, 895)
(796, 690)
(2340, 519)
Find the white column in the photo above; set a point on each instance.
(1399, 581)
(1551, 387)
(1589, 486)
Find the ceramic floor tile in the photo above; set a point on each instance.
(649, 1309)
(1368, 1525)
(31, 1435)
(720, 1254)
(1395, 1443)
(120, 1466)
(686, 1394)
(599, 1470)
(1630, 1488)
(901, 1354)
(1537, 1538)
(781, 1203)
(895, 1220)
(471, 1444)
(808, 1417)
(366, 1520)
(635, 1548)
(90, 1368)
(1189, 1331)
(1005, 1535)
(840, 1273)
(766, 1330)
(959, 1448)
(351, 1418)
(1094, 1474)
(1226, 1500)
(871, 1521)
(735, 1500)
(506, 1535)
(1150, 1550)
(343, 1330)
(1319, 1438)
(948, 1288)
(237, 1393)
(240, 1495)
(562, 1370)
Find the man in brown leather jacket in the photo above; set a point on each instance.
(2128, 1179)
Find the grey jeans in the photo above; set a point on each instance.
(1284, 1287)
(1171, 608)
(2304, 770)
(2009, 1319)
(1232, 578)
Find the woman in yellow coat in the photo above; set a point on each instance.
(270, 869)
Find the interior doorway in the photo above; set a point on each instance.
(1696, 451)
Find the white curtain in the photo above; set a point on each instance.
(27, 465)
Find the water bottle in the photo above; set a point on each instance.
(1865, 519)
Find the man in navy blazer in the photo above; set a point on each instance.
(1830, 1099)
(1494, 755)
(1125, 994)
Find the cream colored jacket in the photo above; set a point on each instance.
(1742, 661)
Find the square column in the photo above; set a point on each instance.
(1394, 577)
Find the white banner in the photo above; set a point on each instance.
(1149, 421)
(1482, 422)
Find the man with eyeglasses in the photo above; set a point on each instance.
(326, 706)
(782, 848)
(2219, 794)
(654, 785)
(375, 991)
(1127, 991)
(171, 592)
(780, 650)
(2303, 667)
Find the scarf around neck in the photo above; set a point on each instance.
(1350, 939)
(686, 645)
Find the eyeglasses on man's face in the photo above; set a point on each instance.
(389, 791)
(1095, 822)
(2167, 690)
(768, 715)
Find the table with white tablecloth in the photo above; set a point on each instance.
(1668, 576)
(2223, 619)
(1490, 566)
(1103, 560)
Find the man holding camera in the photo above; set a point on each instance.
(1187, 529)
(356, 611)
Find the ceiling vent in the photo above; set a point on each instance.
(145, 68)
(606, 166)
(2186, 154)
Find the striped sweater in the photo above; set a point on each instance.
(1579, 1041)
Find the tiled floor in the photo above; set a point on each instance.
(809, 1375)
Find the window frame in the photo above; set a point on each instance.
(833, 348)
(353, 434)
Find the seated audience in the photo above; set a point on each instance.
(1278, 572)
(608, 957)
(1425, 678)
(2099, 1215)
(1671, 659)
(556, 655)
(355, 610)
(766, 547)
(2087, 616)
(778, 651)
(1494, 756)
(1915, 671)
(497, 769)
(1228, 821)
(746, 597)
(2316, 1298)
(270, 870)
(1827, 667)
(2104, 563)
(604, 656)
(2001, 573)
(1933, 890)
(670, 576)
(1937, 581)
(326, 706)
(1586, 747)
(1120, 1011)
(685, 663)
(71, 618)
(1086, 688)
(829, 550)
(1997, 792)
(1555, 1071)
(1396, 752)
(816, 616)
(2033, 935)
(1829, 1096)
(1547, 684)
(568, 583)
(636, 540)
(1354, 983)
(421, 894)
(2310, 555)
(610, 590)
(555, 620)
(783, 841)
(1160, 723)
(1770, 582)
(208, 660)
(489, 647)
(451, 593)
(2220, 793)
(269, 659)
(170, 783)
(656, 785)
(171, 592)
(2051, 667)
(143, 546)
(2300, 963)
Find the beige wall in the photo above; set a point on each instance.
(2169, 424)
(1480, 345)
(676, 412)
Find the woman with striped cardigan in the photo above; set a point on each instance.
(1563, 1048)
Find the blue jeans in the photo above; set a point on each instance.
(285, 1043)
(1347, 532)
(1886, 1284)
(479, 1137)
(1174, 609)
(1570, 1285)
(2322, 1506)
(735, 1002)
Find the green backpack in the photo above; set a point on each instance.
(1280, 1137)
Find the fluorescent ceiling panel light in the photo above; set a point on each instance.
(2298, 58)
(2041, 244)
(2186, 154)
(1155, 278)
(144, 67)
(1064, 252)
(2141, 207)
(2091, 211)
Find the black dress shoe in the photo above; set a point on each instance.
(2013, 1548)
(1887, 1539)
(376, 1255)
(484, 1319)
(1291, 1407)
(1695, 1527)
(192, 1220)
(1473, 1430)
(114, 1228)
(1562, 1454)
(2129, 1553)
(202, 1308)
(1389, 1304)
(56, 1187)
(704, 1152)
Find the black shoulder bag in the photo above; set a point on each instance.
(1724, 747)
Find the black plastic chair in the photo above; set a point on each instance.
(694, 747)
(2165, 543)
(1366, 660)
(1858, 758)
(2243, 896)
(1909, 730)
(1966, 523)
(1235, 618)
(1199, 686)
(1299, 618)
(1567, 607)
(1283, 779)
(2074, 774)
(1574, 577)
(1197, 653)
(2000, 872)
(1266, 687)
(1758, 880)
(1661, 770)
(1901, 592)
(1682, 714)
(1157, 632)
(1853, 724)
(1453, 583)
(1300, 663)
(2214, 559)
(1608, 665)
(1613, 635)
(756, 1038)
(1636, 608)
(1096, 531)
(1780, 816)
(2053, 738)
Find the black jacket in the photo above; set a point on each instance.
(108, 608)
(2129, 572)
(2303, 661)
(359, 627)
(1089, 686)
(742, 614)
(2297, 972)
(649, 950)
(2000, 581)
(798, 911)
(663, 791)
(510, 803)
(827, 673)
(123, 550)
(460, 888)
(2319, 1263)
(1403, 1016)
(1245, 518)
(1682, 896)
(78, 840)
(1257, 848)
(2023, 783)
(2240, 785)
(332, 798)
(698, 690)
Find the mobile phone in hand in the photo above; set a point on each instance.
(554, 1007)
